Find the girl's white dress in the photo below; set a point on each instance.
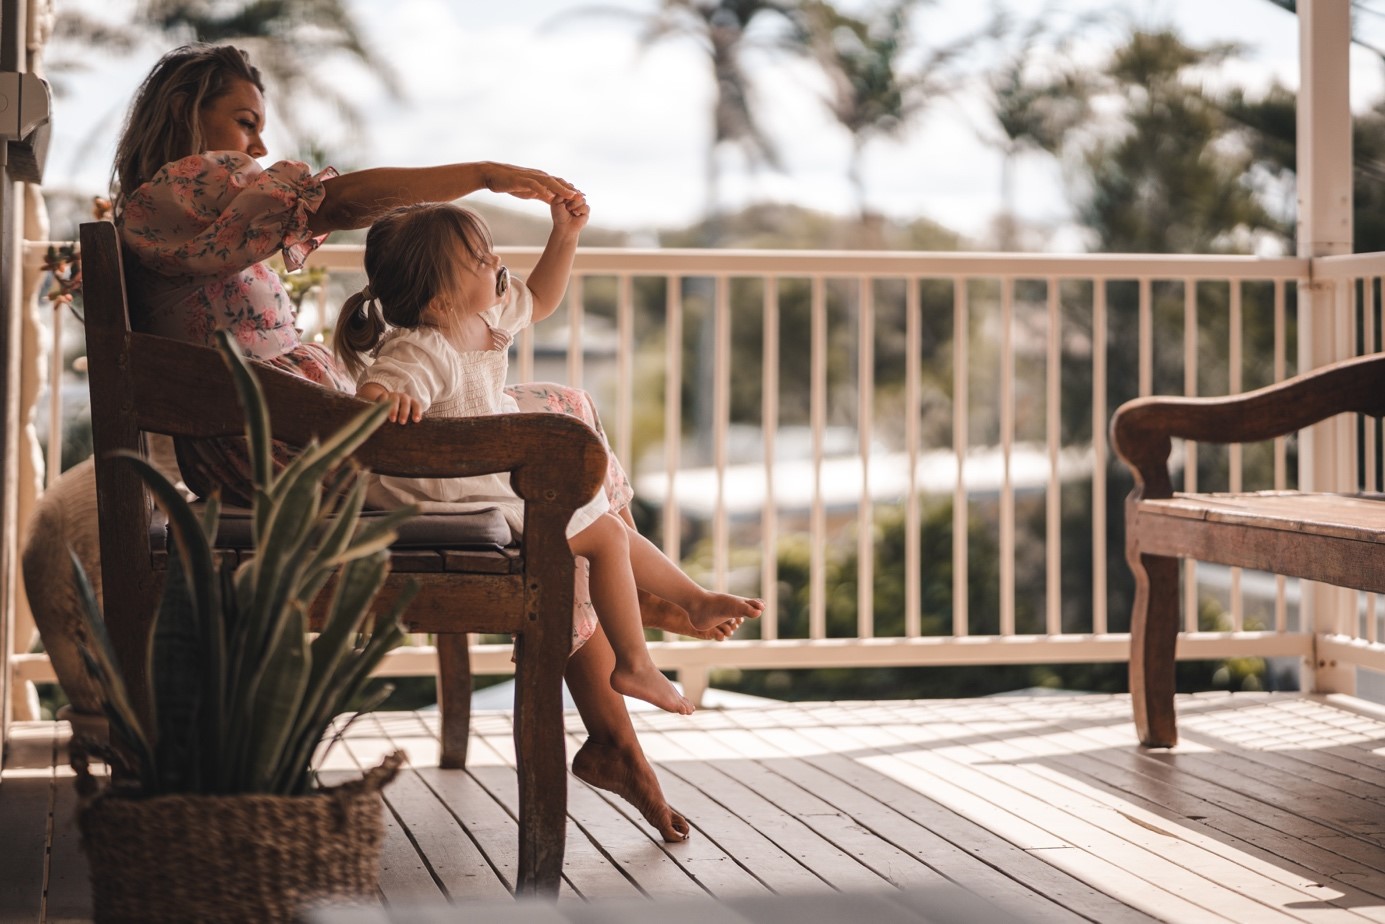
(449, 383)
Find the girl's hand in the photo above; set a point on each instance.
(403, 408)
(570, 214)
(524, 183)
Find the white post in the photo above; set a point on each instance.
(1324, 229)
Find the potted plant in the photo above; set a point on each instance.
(212, 810)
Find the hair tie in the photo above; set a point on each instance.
(367, 297)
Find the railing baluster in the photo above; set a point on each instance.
(769, 522)
(1007, 448)
(1236, 333)
(1100, 527)
(673, 413)
(576, 311)
(1053, 499)
(625, 366)
(817, 582)
(1281, 453)
(865, 421)
(54, 459)
(1146, 337)
(721, 422)
(913, 409)
(1190, 386)
(960, 439)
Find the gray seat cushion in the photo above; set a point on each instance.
(482, 529)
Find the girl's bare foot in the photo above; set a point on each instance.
(629, 776)
(658, 613)
(648, 684)
(712, 609)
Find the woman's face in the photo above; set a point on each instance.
(233, 121)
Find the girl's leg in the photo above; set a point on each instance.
(611, 758)
(656, 613)
(605, 545)
(656, 573)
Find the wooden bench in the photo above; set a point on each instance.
(142, 383)
(1333, 538)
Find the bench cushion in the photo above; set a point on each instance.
(480, 529)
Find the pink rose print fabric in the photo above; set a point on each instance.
(199, 232)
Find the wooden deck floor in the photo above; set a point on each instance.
(1271, 809)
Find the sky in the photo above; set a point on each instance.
(544, 84)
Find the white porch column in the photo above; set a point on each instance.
(1324, 229)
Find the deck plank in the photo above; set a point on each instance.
(1282, 836)
(1077, 847)
(1237, 840)
(873, 801)
(1173, 838)
(1046, 806)
(26, 805)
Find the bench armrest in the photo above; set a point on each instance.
(1143, 429)
(186, 390)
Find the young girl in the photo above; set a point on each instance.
(434, 277)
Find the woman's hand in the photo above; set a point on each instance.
(525, 183)
(403, 408)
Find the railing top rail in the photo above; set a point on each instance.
(1349, 266)
(856, 263)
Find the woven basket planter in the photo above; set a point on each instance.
(233, 859)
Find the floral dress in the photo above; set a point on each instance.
(199, 232)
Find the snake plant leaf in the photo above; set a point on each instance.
(193, 545)
(242, 700)
(368, 704)
(127, 731)
(252, 401)
(329, 652)
(279, 700)
(338, 525)
(177, 674)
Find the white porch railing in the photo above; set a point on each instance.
(982, 381)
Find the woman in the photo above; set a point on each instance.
(198, 217)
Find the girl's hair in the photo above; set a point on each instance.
(163, 125)
(410, 259)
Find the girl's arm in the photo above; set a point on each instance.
(548, 280)
(354, 200)
(403, 408)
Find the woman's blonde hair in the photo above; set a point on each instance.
(163, 125)
(410, 259)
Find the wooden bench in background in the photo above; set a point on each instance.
(1333, 538)
(142, 383)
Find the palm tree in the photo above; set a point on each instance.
(1037, 99)
(723, 29)
(877, 90)
(288, 40)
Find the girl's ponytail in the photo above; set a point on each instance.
(359, 328)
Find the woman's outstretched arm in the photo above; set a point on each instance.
(354, 200)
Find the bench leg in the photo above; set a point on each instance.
(1153, 638)
(454, 698)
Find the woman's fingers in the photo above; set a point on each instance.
(525, 183)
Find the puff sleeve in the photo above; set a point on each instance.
(222, 212)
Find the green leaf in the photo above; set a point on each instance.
(177, 676)
(257, 432)
(127, 732)
(278, 701)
